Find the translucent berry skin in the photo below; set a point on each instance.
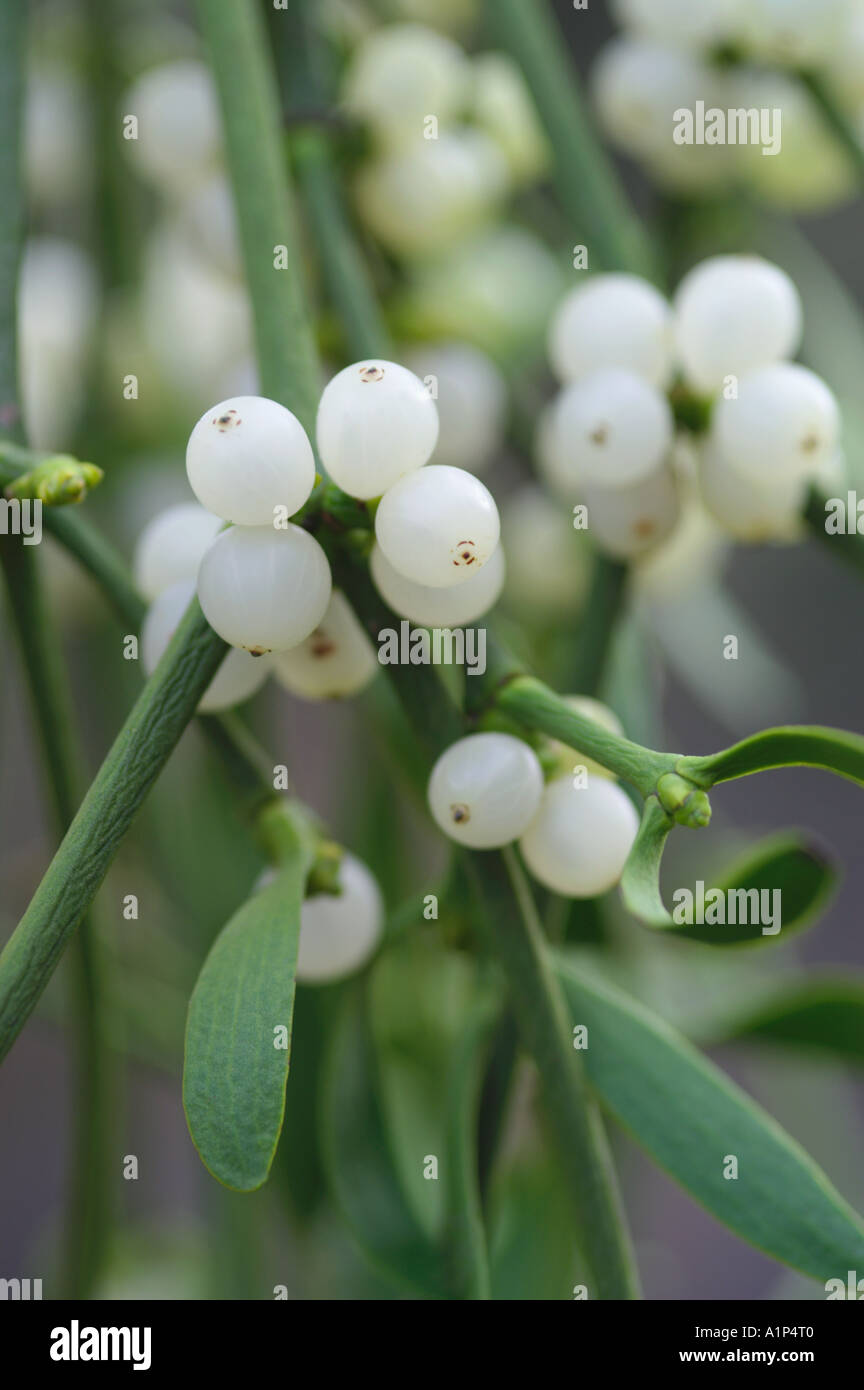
(171, 547)
(548, 563)
(423, 200)
(613, 320)
(471, 402)
(376, 422)
(339, 934)
(264, 589)
(438, 526)
(453, 607)
(248, 457)
(579, 840)
(751, 508)
(336, 659)
(240, 674)
(485, 789)
(733, 314)
(783, 424)
(399, 74)
(629, 522)
(611, 428)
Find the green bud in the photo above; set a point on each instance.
(685, 802)
(59, 481)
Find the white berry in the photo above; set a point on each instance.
(248, 458)
(428, 607)
(339, 933)
(172, 546)
(178, 132)
(484, 789)
(240, 674)
(471, 398)
(548, 562)
(748, 506)
(376, 422)
(681, 22)
(336, 659)
(439, 526)
(420, 201)
(613, 320)
(402, 73)
(504, 109)
(783, 423)
(612, 428)
(264, 589)
(578, 842)
(628, 522)
(734, 313)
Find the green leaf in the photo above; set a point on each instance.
(824, 1016)
(688, 1116)
(465, 1236)
(787, 862)
(234, 1075)
(640, 882)
(834, 750)
(359, 1167)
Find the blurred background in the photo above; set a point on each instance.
(131, 270)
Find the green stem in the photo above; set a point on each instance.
(835, 118)
(303, 69)
(236, 40)
(143, 746)
(89, 1207)
(88, 1219)
(511, 921)
(584, 178)
(602, 608)
(537, 707)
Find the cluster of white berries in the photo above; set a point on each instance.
(610, 441)
(264, 583)
(452, 136)
(339, 932)
(735, 55)
(575, 833)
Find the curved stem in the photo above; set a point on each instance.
(585, 179)
(510, 921)
(153, 729)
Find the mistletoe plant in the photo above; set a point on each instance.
(365, 514)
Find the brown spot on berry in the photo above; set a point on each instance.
(465, 553)
(810, 443)
(230, 420)
(600, 435)
(371, 373)
(257, 651)
(321, 645)
(644, 528)
(460, 813)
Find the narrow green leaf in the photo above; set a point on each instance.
(359, 1166)
(235, 1072)
(824, 1016)
(689, 1117)
(787, 863)
(640, 882)
(834, 750)
(465, 1247)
